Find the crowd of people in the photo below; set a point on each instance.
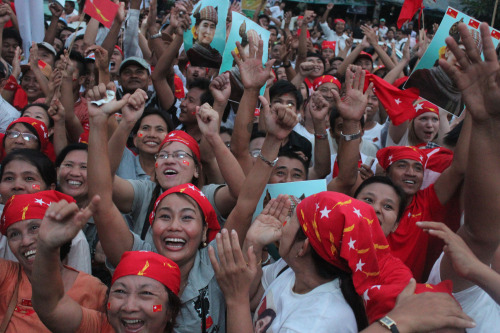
(130, 174)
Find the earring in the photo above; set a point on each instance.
(204, 244)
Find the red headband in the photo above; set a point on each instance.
(328, 45)
(338, 21)
(326, 79)
(119, 49)
(179, 87)
(29, 206)
(202, 201)
(184, 138)
(346, 233)
(40, 128)
(387, 156)
(151, 265)
(364, 54)
(425, 106)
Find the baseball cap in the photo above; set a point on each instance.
(135, 61)
(48, 47)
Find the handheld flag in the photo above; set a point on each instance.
(103, 11)
(410, 7)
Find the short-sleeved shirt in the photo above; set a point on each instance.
(323, 309)
(409, 242)
(87, 290)
(143, 192)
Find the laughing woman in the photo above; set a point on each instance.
(143, 294)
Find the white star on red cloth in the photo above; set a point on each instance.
(41, 202)
(192, 187)
(351, 244)
(357, 212)
(359, 265)
(398, 101)
(390, 158)
(324, 212)
(171, 135)
(317, 206)
(419, 107)
(43, 128)
(366, 298)
(201, 193)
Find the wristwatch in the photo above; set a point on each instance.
(389, 324)
(157, 35)
(350, 137)
(268, 162)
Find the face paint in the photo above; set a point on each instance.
(156, 164)
(140, 134)
(157, 308)
(35, 186)
(109, 305)
(185, 163)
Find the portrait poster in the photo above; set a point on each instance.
(243, 30)
(300, 190)
(204, 42)
(433, 83)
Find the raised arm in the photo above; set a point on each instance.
(395, 72)
(372, 38)
(351, 57)
(62, 221)
(253, 77)
(111, 38)
(318, 108)
(57, 113)
(50, 34)
(478, 81)
(113, 231)
(351, 109)
(131, 34)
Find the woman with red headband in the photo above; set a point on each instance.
(182, 219)
(20, 222)
(143, 294)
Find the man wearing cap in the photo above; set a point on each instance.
(47, 53)
(382, 28)
(336, 35)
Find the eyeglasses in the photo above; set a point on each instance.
(255, 152)
(26, 136)
(178, 155)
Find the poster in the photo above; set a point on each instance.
(204, 41)
(433, 83)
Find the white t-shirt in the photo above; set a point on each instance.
(365, 159)
(475, 302)
(321, 310)
(373, 135)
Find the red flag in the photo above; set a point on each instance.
(452, 12)
(103, 11)
(410, 7)
(473, 23)
(398, 103)
(495, 34)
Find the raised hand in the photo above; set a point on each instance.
(232, 272)
(105, 110)
(120, 14)
(279, 120)
(370, 34)
(353, 105)
(133, 109)
(4, 14)
(208, 120)
(63, 220)
(220, 87)
(253, 74)
(56, 9)
(306, 68)
(267, 227)
(101, 57)
(56, 110)
(329, 6)
(478, 80)
(33, 58)
(16, 62)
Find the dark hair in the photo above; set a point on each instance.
(153, 111)
(12, 33)
(3, 71)
(174, 307)
(203, 84)
(43, 106)
(227, 130)
(281, 87)
(80, 61)
(334, 114)
(335, 59)
(327, 271)
(273, 27)
(294, 155)
(267, 313)
(386, 181)
(69, 148)
(451, 138)
(37, 159)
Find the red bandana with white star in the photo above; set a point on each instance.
(29, 206)
(346, 233)
(40, 128)
(423, 106)
(151, 265)
(202, 201)
(184, 138)
(388, 155)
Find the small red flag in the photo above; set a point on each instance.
(495, 34)
(157, 308)
(452, 12)
(103, 11)
(473, 23)
(398, 103)
(410, 7)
